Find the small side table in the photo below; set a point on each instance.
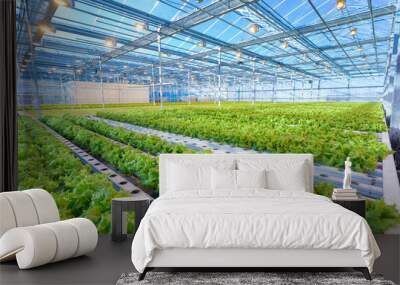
(139, 203)
(356, 205)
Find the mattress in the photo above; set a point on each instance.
(250, 219)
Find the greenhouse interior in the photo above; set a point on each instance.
(200, 142)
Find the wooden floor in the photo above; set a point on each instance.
(111, 259)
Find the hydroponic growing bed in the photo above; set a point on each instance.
(44, 162)
(136, 152)
(330, 131)
(369, 185)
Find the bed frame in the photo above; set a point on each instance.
(242, 259)
(245, 258)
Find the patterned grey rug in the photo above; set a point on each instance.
(243, 278)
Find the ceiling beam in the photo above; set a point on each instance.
(96, 52)
(352, 44)
(138, 43)
(377, 13)
(267, 14)
(199, 16)
(36, 37)
(380, 12)
(343, 58)
(333, 35)
(373, 27)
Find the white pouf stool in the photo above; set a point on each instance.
(31, 231)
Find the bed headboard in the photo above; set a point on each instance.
(204, 159)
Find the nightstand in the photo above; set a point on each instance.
(356, 205)
(139, 203)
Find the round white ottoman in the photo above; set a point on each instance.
(31, 233)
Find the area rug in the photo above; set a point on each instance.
(244, 278)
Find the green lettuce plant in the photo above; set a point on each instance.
(43, 162)
(128, 160)
(147, 143)
(381, 216)
(330, 131)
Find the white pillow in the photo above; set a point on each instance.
(186, 174)
(223, 179)
(182, 177)
(281, 174)
(251, 178)
(227, 179)
(293, 180)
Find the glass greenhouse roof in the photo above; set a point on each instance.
(291, 39)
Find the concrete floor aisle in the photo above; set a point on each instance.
(103, 266)
(110, 259)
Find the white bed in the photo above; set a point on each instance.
(200, 220)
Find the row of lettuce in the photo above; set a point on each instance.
(44, 162)
(348, 116)
(98, 106)
(127, 160)
(139, 156)
(330, 133)
(133, 159)
(146, 143)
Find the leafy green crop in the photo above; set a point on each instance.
(381, 216)
(150, 144)
(128, 160)
(324, 189)
(43, 162)
(330, 131)
(97, 106)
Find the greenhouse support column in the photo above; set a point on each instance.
(254, 81)
(215, 88)
(311, 83)
(236, 87)
(227, 90)
(239, 89)
(319, 90)
(348, 89)
(188, 87)
(101, 82)
(62, 90)
(274, 87)
(294, 88)
(119, 89)
(36, 94)
(160, 68)
(219, 76)
(153, 85)
(200, 92)
(8, 98)
(74, 89)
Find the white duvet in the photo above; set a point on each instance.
(250, 219)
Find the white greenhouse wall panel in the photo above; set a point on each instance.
(79, 92)
(82, 92)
